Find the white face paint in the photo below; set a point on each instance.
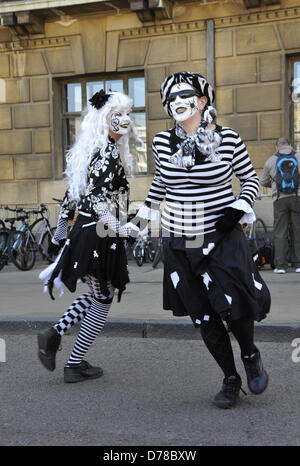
(119, 121)
(183, 105)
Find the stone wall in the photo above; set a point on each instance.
(251, 84)
(251, 72)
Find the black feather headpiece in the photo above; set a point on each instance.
(99, 99)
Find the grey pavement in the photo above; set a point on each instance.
(23, 304)
(156, 391)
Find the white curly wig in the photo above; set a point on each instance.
(93, 135)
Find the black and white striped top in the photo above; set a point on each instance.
(195, 196)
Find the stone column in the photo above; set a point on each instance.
(210, 52)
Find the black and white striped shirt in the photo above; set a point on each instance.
(195, 196)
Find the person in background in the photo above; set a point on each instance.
(281, 173)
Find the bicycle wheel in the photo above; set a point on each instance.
(21, 250)
(150, 251)
(43, 246)
(157, 255)
(261, 230)
(38, 230)
(4, 234)
(139, 255)
(260, 233)
(129, 245)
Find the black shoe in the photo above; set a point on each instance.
(48, 342)
(257, 377)
(82, 371)
(229, 393)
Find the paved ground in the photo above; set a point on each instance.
(140, 311)
(153, 392)
(22, 296)
(156, 390)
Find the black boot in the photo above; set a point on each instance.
(82, 371)
(229, 393)
(257, 377)
(48, 342)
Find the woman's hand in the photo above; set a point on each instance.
(229, 220)
(130, 229)
(55, 247)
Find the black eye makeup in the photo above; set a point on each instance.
(184, 94)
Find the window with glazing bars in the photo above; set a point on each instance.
(76, 95)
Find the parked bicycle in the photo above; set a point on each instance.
(17, 244)
(260, 243)
(42, 232)
(143, 250)
(255, 231)
(158, 256)
(4, 234)
(2, 224)
(24, 244)
(21, 245)
(129, 244)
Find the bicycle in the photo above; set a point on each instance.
(143, 250)
(4, 257)
(42, 232)
(255, 231)
(261, 246)
(129, 245)
(17, 244)
(2, 224)
(158, 256)
(21, 245)
(4, 235)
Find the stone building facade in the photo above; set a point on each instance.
(248, 48)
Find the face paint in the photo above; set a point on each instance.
(183, 101)
(119, 121)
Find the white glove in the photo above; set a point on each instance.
(130, 229)
(143, 233)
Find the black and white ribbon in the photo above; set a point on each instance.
(207, 141)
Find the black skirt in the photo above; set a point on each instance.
(218, 276)
(85, 253)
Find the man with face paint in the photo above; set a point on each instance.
(209, 273)
(94, 251)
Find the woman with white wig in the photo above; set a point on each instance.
(94, 251)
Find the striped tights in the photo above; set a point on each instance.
(92, 308)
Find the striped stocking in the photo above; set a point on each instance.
(93, 322)
(74, 314)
